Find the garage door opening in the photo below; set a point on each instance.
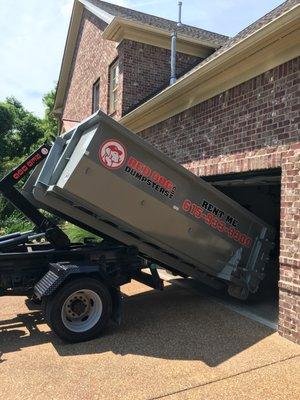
(259, 192)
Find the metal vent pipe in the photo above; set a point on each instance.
(173, 45)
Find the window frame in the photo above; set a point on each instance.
(95, 107)
(113, 86)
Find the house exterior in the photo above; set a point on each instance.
(231, 117)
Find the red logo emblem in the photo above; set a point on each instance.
(112, 154)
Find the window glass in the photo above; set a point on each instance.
(96, 96)
(113, 86)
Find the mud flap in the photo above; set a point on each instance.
(117, 310)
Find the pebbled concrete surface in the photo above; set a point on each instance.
(262, 307)
(174, 345)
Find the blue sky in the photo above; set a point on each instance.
(33, 34)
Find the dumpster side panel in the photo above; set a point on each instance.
(131, 209)
(113, 174)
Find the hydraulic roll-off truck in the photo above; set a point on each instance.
(149, 212)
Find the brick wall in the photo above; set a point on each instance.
(91, 61)
(252, 126)
(146, 70)
(143, 69)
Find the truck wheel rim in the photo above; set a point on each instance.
(81, 311)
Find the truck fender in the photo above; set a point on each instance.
(59, 272)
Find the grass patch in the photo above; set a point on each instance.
(77, 235)
(19, 223)
(15, 223)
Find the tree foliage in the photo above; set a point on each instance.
(21, 132)
(19, 129)
(50, 123)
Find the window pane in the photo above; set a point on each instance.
(113, 87)
(96, 96)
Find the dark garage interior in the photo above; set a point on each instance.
(259, 192)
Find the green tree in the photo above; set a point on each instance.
(50, 123)
(19, 130)
(6, 119)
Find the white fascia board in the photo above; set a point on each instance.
(106, 17)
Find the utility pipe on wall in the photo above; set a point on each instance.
(173, 46)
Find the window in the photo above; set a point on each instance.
(96, 96)
(113, 86)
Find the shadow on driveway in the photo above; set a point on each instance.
(175, 324)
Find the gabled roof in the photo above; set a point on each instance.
(134, 25)
(270, 41)
(161, 23)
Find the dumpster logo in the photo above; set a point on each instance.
(112, 154)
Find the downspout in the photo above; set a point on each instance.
(173, 46)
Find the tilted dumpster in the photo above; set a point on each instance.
(108, 178)
(149, 211)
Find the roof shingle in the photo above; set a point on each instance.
(162, 23)
(263, 21)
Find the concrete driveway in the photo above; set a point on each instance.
(173, 345)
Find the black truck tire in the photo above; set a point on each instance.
(79, 310)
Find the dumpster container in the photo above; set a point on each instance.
(107, 179)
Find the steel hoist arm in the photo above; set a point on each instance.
(52, 232)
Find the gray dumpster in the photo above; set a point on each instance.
(102, 176)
